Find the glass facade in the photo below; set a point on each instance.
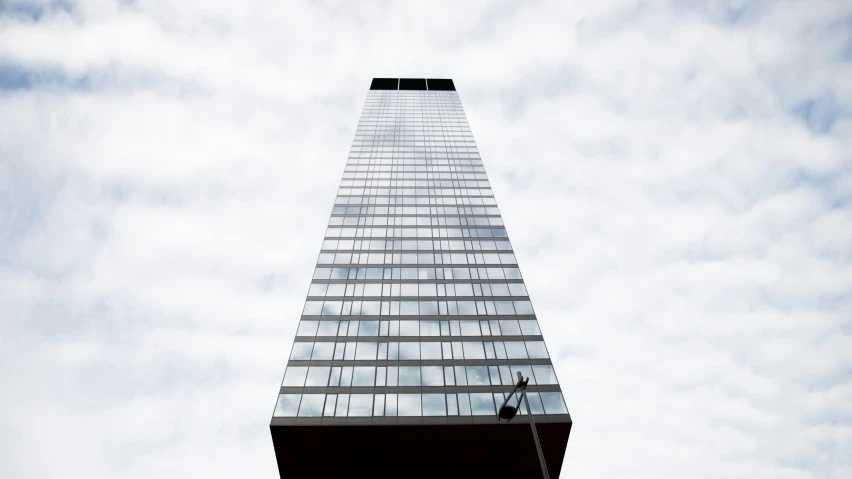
(417, 306)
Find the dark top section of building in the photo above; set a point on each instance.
(439, 84)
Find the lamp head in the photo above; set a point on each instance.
(507, 412)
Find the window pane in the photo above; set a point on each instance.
(482, 404)
(366, 351)
(553, 403)
(360, 405)
(434, 405)
(430, 350)
(287, 405)
(371, 308)
(393, 375)
(331, 308)
(464, 289)
(363, 376)
(301, 351)
(464, 404)
(429, 328)
(307, 328)
(379, 405)
(408, 405)
(473, 350)
(334, 379)
(544, 374)
(432, 375)
(342, 405)
(449, 377)
(535, 404)
(510, 327)
(515, 350)
(318, 376)
(504, 307)
(470, 328)
(323, 351)
(523, 307)
(317, 290)
(330, 402)
(466, 308)
(428, 289)
(408, 328)
(517, 289)
(312, 405)
(295, 376)
(409, 375)
(312, 308)
(408, 308)
(409, 350)
(390, 405)
(461, 376)
(477, 376)
(537, 350)
(346, 376)
(429, 308)
(327, 328)
(529, 327)
(452, 405)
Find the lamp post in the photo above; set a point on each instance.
(508, 411)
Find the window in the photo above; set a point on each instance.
(317, 376)
(409, 405)
(482, 404)
(287, 405)
(295, 376)
(434, 405)
(312, 405)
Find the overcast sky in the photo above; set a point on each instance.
(675, 177)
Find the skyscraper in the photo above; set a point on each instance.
(417, 318)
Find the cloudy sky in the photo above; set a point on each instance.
(676, 179)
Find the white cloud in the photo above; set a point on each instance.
(675, 178)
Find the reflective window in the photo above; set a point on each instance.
(312, 405)
(323, 351)
(307, 328)
(408, 405)
(360, 405)
(327, 328)
(537, 350)
(287, 405)
(366, 351)
(301, 351)
(342, 405)
(431, 350)
(330, 403)
(409, 350)
(515, 349)
(295, 376)
(317, 376)
(312, 308)
(429, 328)
(482, 404)
(544, 374)
(434, 405)
(553, 403)
(473, 350)
(409, 375)
(432, 375)
(363, 376)
(477, 376)
(529, 327)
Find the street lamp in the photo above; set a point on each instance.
(508, 411)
